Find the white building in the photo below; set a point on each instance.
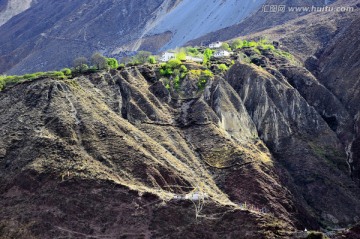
(166, 56)
(194, 59)
(217, 44)
(196, 196)
(221, 53)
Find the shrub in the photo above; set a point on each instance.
(267, 47)
(176, 82)
(181, 55)
(183, 71)
(207, 55)
(121, 66)
(80, 64)
(152, 60)
(99, 61)
(141, 57)
(237, 44)
(40, 74)
(252, 44)
(112, 63)
(175, 71)
(173, 63)
(29, 76)
(203, 77)
(192, 51)
(222, 67)
(225, 46)
(166, 71)
(56, 74)
(2, 82)
(196, 73)
(66, 71)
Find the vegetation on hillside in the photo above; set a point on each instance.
(80, 66)
(174, 71)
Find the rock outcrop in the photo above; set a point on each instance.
(108, 154)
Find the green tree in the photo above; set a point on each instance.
(225, 46)
(236, 44)
(207, 55)
(142, 57)
(152, 60)
(192, 51)
(80, 64)
(181, 55)
(112, 63)
(99, 61)
(173, 63)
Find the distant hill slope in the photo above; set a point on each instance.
(50, 34)
(262, 19)
(11, 8)
(192, 19)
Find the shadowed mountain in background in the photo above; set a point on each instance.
(50, 34)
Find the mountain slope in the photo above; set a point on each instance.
(93, 155)
(51, 34)
(11, 8)
(192, 19)
(328, 44)
(68, 29)
(261, 19)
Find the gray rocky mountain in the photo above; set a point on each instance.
(45, 35)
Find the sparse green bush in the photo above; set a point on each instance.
(176, 81)
(166, 71)
(252, 44)
(174, 63)
(29, 76)
(2, 82)
(56, 74)
(222, 67)
(175, 71)
(192, 51)
(80, 64)
(203, 77)
(66, 71)
(236, 44)
(141, 57)
(12, 80)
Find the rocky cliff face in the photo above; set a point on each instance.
(328, 44)
(106, 154)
